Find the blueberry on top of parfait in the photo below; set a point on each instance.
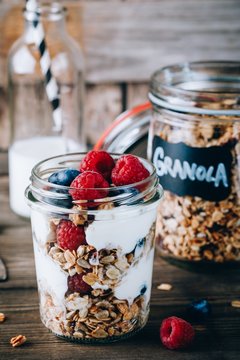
(63, 177)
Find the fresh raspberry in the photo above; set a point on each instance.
(128, 170)
(99, 161)
(89, 186)
(176, 333)
(76, 284)
(70, 236)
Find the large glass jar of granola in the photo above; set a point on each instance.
(94, 257)
(194, 145)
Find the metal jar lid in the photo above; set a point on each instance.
(128, 133)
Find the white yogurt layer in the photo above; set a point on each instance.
(137, 277)
(118, 231)
(50, 277)
(40, 226)
(113, 229)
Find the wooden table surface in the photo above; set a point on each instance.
(218, 339)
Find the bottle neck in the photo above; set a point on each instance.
(51, 16)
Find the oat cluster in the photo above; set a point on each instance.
(99, 314)
(189, 227)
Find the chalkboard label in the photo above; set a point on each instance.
(186, 170)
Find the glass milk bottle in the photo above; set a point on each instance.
(33, 134)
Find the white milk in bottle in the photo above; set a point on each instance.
(23, 156)
(33, 94)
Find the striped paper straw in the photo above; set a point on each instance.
(45, 63)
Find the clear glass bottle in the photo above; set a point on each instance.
(112, 264)
(33, 135)
(194, 142)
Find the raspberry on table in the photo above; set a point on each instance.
(176, 333)
(70, 236)
(89, 185)
(99, 161)
(63, 177)
(128, 170)
(76, 284)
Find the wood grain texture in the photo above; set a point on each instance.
(128, 40)
(103, 104)
(218, 340)
(137, 94)
(125, 41)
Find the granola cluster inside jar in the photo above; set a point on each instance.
(115, 262)
(194, 144)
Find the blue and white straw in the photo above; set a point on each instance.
(52, 89)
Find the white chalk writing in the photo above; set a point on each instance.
(165, 165)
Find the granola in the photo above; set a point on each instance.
(99, 314)
(191, 227)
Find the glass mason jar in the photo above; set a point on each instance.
(111, 300)
(33, 135)
(194, 145)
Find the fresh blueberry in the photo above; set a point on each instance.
(139, 247)
(141, 242)
(199, 309)
(63, 177)
(143, 290)
(66, 202)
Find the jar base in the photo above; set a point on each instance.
(95, 341)
(199, 266)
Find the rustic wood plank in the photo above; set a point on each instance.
(4, 120)
(23, 318)
(103, 104)
(128, 40)
(19, 301)
(137, 94)
(3, 163)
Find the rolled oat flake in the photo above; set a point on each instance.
(194, 144)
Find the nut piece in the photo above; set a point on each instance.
(18, 340)
(164, 287)
(2, 317)
(235, 303)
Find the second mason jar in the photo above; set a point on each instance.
(194, 144)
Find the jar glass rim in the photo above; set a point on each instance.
(41, 189)
(196, 86)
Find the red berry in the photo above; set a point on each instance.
(89, 185)
(76, 284)
(99, 161)
(176, 333)
(70, 236)
(128, 170)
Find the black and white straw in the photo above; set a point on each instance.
(52, 89)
